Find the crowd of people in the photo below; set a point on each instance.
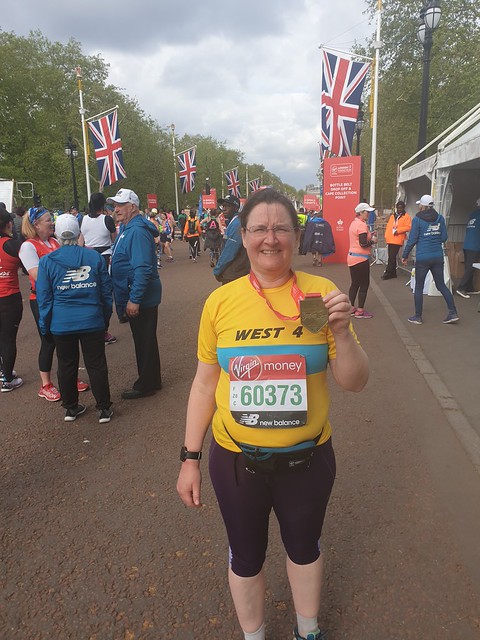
(272, 446)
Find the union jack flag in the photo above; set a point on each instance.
(187, 169)
(342, 86)
(108, 149)
(233, 183)
(254, 185)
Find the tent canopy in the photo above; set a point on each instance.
(451, 174)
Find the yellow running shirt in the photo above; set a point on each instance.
(273, 372)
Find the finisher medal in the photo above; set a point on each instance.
(313, 312)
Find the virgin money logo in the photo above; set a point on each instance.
(246, 368)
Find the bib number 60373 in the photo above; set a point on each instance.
(271, 395)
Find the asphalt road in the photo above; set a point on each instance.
(95, 544)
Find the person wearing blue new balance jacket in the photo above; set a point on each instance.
(428, 233)
(471, 252)
(74, 295)
(137, 289)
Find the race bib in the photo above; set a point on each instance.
(268, 392)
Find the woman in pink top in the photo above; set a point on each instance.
(358, 259)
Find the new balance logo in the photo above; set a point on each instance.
(249, 419)
(77, 275)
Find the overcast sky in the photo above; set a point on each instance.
(246, 72)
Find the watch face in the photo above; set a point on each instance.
(183, 454)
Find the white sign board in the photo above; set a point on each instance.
(6, 193)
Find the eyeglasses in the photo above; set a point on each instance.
(260, 231)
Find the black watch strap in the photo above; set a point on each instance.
(189, 455)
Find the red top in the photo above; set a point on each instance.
(8, 271)
(42, 250)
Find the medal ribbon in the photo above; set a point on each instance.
(296, 294)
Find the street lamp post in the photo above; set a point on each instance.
(428, 22)
(359, 127)
(72, 152)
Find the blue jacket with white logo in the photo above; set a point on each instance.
(74, 291)
(134, 266)
(472, 233)
(428, 232)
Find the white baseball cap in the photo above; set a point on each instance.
(363, 206)
(123, 196)
(426, 201)
(66, 227)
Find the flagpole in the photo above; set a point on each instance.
(172, 127)
(81, 110)
(377, 46)
(246, 181)
(223, 192)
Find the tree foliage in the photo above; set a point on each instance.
(39, 110)
(454, 88)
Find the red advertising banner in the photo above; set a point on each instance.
(152, 201)
(341, 194)
(210, 201)
(311, 202)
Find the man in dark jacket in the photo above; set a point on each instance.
(233, 262)
(137, 289)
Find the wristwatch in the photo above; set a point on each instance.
(189, 455)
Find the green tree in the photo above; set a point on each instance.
(454, 72)
(39, 110)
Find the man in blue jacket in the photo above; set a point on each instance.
(74, 294)
(428, 233)
(233, 262)
(471, 252)
(137, 289)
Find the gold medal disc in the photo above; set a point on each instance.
(313, 313)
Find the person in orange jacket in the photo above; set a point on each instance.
(398, 226)
(191, 235)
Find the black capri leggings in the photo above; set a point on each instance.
(47, 346)
(11, 310)
(360, 275)
(298, 497)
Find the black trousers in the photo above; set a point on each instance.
(360, 275)
(11, 311)
(68, 355)
(467, 281)
(194, 242)
(144, 332)
(393, 250)
(47, 343)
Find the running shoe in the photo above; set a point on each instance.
(366, 315)
(317, 635)
(462, 293)
(71, 414)
(109, 339)
(49, 392)
(473, 293)
(353, 311)
(105, 415)
(82, 386)
(13, 384)
(452, 317)
(415, 320)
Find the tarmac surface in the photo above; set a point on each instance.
(96, 545)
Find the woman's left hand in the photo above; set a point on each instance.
(339, 311)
